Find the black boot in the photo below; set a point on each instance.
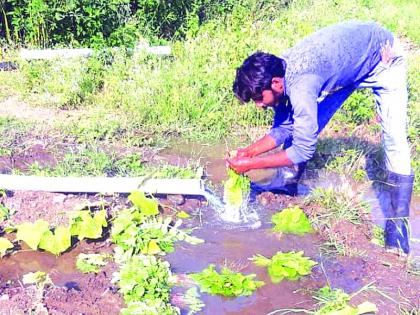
(399, 188)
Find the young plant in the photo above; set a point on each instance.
(335, 301)
(290, 266)
(236, 189)
(291, 220)
(39, 278)
(5, 245)
(84, 225)
(144, 283)
(4, 212)
(91, 262)
(226, 283)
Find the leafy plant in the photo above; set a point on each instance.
(84, 225)
(4, 212)
(236, 189)
(291, 220)
(57, 242)
(91, 262)
(290, 266)
(148, 206)
(39, 278)
(335, 301)
(31, 233)
(144, 283)
(192, 299)
(226, 283)
(5, 244)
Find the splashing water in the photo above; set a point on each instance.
(242, 214)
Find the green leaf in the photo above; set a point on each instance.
(5, 244)
(236, 188)
(56, 242)
(226, 283)
(290, 266)
(31, 233)
(183, 215)
(91, 262)
(148, 207)
(291, 220)
(39, 278)
(84, 225)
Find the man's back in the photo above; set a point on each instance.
(338, 55)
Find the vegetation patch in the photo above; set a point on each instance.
(289, 266)
(226, 283)
(291, 220)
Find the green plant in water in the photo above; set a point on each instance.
(140, 230)
(91, 262)
(144, 282)
(236, 189)
(226, 283)
(39, 278)
(85, 225)
(5, 245)
(291, 220)
(290, 266)
(335, 302)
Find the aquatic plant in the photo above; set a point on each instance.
(5, 245)
(84, 224)
(226, 283)
(140, 230)
(91, 262)
(291, 220)
(144, 282)
(290, 266)
(236, 189)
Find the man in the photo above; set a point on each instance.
(308, 84)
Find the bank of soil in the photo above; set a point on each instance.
(77, 293)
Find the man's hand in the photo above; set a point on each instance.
(239, 164)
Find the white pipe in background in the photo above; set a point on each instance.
(103, 184)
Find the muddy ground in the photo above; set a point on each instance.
(77, 293)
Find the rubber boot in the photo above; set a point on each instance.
(399, 188)
(282, 180)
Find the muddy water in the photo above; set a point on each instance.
(62, 269)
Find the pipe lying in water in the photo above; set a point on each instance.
(103, 184)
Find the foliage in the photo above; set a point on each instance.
(31, 233)
(144, 283)
(57, 242)
(39, 278)
(335, 301)
(290, 266)
(378, 236)
(358, 109)
(226, 283)
(4, 212)
(84, 225)
(148, 206)
(5, 244)
(192, 299)
(291, 220)
(38, 235)
(91, 262)
(236, 188)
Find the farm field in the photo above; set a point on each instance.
(124, 112)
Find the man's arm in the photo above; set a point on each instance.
(242, 165)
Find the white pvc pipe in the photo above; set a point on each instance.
(102, 184)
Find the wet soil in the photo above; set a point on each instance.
(226, 244)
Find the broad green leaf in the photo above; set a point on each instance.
(148, 207)
(290, 266)
(5, 244)
(31, 233)
(91, 262)
(56, 242)
(84, 225)
(291, 220)
(236, 188)
(100, 218)
(226, 283)
(152, 248)
(183, 215)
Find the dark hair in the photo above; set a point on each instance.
(255, 75)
